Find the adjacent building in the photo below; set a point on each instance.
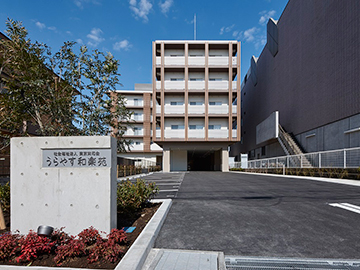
(195, 102)
(143, 151)
(305, 84)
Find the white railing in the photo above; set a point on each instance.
(158, 133)
(176, 133)
(218, 61)
(221, 85)
(234, 108)
(134, 103)
(158, 85)
(155, 147)
(234, 60)
(158, 60)
(134, 147)
(174, 61)
(196, 85)
(218, 133)
(179, 85)
(137, 117)
(174, 109)
(344, 158)
(234, 133)
(196, 109)
(158, 109)
(196, 133)
(218, 109)
(144, 163)
(196, 61)
(234, 85)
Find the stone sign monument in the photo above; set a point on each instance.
(63, 182)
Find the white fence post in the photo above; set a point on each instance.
(344, 159)
(301, 161)
(319, 160)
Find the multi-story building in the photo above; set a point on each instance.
(305, 82)
(196, 89)
(142, 149)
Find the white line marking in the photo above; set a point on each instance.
(347, 206)
(170, 196)
(168, 190)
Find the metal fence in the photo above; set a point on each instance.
(344, 158)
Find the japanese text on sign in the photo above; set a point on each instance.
(57, 158)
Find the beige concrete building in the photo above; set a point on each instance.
(144, 151)
(196, 102)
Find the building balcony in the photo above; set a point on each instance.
(136, 103)
(196, 109)
(155, 147)
(234, 133)
(218, 109)
(220, 85)
(131, 132)
(174, 109)
(174, 85)
(174, 133)
(234, 61)
(218, 133)
(199, 85)
(158, 60)
(234, 85)
(135, 147)
(218, 61)
(196, 133)
(196, 61)
(234, 109)
(174, 60)
(137, 118)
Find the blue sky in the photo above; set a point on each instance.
(127, 28)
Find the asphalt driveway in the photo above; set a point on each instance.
(252, 215)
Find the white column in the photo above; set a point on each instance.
(166, 160)
(224, 160)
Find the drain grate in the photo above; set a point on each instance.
(243, 263)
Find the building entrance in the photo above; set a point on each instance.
(203, 160)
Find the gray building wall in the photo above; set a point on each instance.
(313, 80)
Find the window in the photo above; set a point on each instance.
(217, 103)
(176, 103)
(196, 103)
(137, 143)
(195, 127)
(177, 127)
(176, 79)
(263, 151)
(214, 126)
(196, 79)
(136, 102)
(215, 79)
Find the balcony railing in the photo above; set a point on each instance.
(234, 61)
(234, 109)
(218, 133)
(131, 132)
(158, 60)
(218, 61)
(175, 133)
(176, 85)
(221, 85)
(158, 109)
(234, 133)
(158, 133)
(155, 147)
(134, 103)
(174, 61)
(196, 61)
(196, 133)
(200, 85)
(234, 85)
(139, 147)
(196, 109)
(218, 109)
(137, 117)
(158, 85)
(174, 109)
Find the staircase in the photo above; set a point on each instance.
(291, 148)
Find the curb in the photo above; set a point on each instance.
(120, 179)
(138, 252)
(136, 255)
(321, 179)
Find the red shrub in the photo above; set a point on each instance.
(9, 245)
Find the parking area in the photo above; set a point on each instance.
(255, 215)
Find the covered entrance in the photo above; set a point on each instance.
(204, 160)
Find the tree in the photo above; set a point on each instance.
(65, 93)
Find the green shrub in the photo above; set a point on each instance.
(5, 196)
(131, 197)
(237, 169)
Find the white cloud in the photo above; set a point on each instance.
(165, 7)
(265, 16)
(226, 29)
(52, 28)
(141, 9)
(80, 41)
(249, 34)
(80, 3)
(40, 25)
(95, 37)
(122, 45)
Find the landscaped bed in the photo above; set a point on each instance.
(89, 249)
